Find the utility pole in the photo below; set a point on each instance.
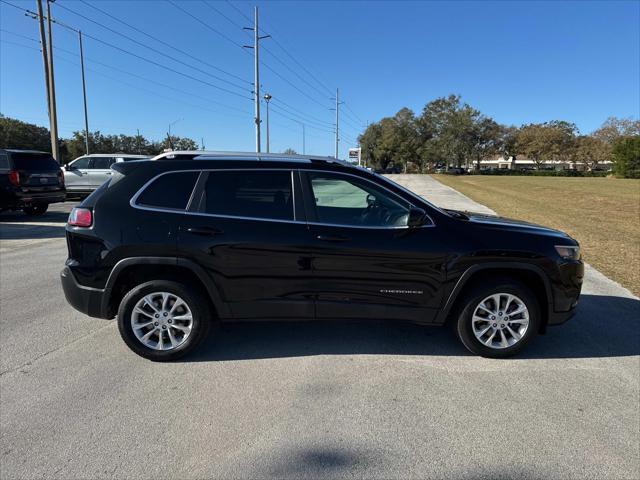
(337, 121)
(45, 64)
(173, 123)
(55, 148)
(267, 97)
(202, 143)
(138, 140)
(303, 140)
(256, 72)
(84, 97)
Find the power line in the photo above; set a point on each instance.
(225, 16)
(356, 117)
(186, 12)
(304, 113)
(292, 70)
(302, 118)
(352, 119)
(131, 39)
(164, 67)
(283, 114)
(137, 87)
(141, 77)
(165, 43)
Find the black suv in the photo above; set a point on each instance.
(29, 181)
(172, 246)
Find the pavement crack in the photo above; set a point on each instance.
(53, 350)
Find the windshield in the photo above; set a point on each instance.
(34, 161)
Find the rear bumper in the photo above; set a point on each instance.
(26, 199)
(87, 300)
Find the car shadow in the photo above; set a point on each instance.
(18, 226)
(48, 217)
(22, 231)
(604, 326)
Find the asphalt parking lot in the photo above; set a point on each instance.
(312, 400)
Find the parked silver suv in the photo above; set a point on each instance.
(83, 175)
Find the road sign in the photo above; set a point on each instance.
(354, 155)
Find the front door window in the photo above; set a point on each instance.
(349, 201)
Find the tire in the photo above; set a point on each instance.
(194, 304)
(510, 336)
(36, 209)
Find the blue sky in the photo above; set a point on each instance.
(518, 62)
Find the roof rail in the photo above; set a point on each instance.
(247, 156)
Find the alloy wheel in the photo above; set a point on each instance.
(500, 320)
(161, 321)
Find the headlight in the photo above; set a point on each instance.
(568, 252)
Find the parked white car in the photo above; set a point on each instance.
(83, 175)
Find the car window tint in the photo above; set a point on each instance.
(4, 162)
(258, 194)
(344, 200)
(102, 163)
(82, 162)
(171, 190)
(34, 161)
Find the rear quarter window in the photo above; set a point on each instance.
(171, 190)
(4, 162)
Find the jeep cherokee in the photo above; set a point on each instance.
(172, 246)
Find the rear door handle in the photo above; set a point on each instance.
(204, 231)
(332, 238)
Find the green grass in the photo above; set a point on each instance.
(603, 214)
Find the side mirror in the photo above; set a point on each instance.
(417, 217)
(68, 167)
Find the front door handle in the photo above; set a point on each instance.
(204, 231)
(332, 238)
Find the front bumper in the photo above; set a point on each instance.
(558, 318)
(87, 300)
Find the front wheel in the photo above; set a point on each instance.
(163, 320)
(36, 209)
(498, 319)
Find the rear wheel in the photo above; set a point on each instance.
(36, 209)
(163, 320)
(498, 319)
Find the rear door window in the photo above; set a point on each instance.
(102, 163)
(263, 194)
(171, 191)
(34, 161)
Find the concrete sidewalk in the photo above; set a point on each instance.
(437, 193)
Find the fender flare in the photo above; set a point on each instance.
(469, 272)
(221, 307)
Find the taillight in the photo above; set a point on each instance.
(61, 177)
(80, 217)
(14, 177)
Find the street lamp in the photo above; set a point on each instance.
(267, 97)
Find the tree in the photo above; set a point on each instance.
(614, 128)
(487, 138)
(450, 124)
(290, 151)
(626, 157)
(17, 134)
(591, 151)
(546, 141)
